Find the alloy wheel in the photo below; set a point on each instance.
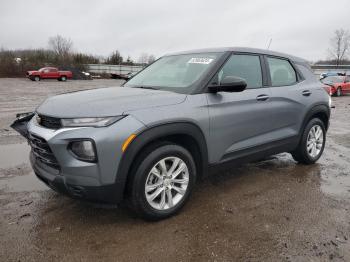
(314, 141)
(338, 92)
(167, 183)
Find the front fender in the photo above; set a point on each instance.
(153, 134)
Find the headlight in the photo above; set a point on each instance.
(83, 150)
(90, 121)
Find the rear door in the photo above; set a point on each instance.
(290, 97)
(239, 121)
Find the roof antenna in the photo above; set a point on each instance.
(268, 46)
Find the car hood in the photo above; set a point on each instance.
(110, 101)
(32, 71)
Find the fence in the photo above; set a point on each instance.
(113, 69)
(319, 69)
(125, 69)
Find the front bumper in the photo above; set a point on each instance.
(79, 179)
(101, 193)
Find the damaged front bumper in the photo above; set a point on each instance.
(55, 164)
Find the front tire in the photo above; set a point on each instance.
(36, 78)
(312, 143)
(162, 181)
(339, 92)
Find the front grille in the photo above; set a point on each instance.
(42, 151)
(50, 122)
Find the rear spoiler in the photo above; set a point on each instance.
(20, 124)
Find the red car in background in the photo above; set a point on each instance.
(337, 85)
(49, 73)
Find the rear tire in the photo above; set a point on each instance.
(162, 181)
(63, 78)
(312, 143)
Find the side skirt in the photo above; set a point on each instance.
(256, 153)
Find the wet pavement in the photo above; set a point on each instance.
(274, 210)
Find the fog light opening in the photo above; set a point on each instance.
(83, 150)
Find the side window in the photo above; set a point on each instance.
(53, 70)
(281, 71)
(247, 67)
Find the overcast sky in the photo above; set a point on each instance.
(300, 27)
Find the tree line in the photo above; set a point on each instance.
(60, 53)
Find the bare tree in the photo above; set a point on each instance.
(340, 45)
(115, 58)
(143, 59)
(61, 46)
(151, 59)
(128, 61)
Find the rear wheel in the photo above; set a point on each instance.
(312, 143)
(339, 92)
(162, 182)
(63, 78)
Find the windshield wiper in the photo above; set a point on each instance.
(145, 87)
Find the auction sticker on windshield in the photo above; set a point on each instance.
(200, 60)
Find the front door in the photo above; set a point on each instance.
(239, 121)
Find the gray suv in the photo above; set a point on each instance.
(151, 139)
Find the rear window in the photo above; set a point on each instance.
(282, 72)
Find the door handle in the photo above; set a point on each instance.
(262, 97)
(306, 92)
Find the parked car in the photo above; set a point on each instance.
(152, 139)
(123, 76)
(324, 75)
(49, 73)
(337, 85)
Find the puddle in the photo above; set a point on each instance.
(22, 184)
(13, 155)
(336, 185)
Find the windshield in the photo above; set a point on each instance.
(42, 69)
(174, 73)
(332, 80)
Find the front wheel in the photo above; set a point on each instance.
(162, 182)
(312, 143)
(339, 92)
(37, 78)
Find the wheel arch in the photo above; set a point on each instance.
(320, 111)
(185, 134)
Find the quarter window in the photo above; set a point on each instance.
(247, 67)
(281, 71)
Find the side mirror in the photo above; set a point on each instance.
(229, 84)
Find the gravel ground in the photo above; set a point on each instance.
(274, 210)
